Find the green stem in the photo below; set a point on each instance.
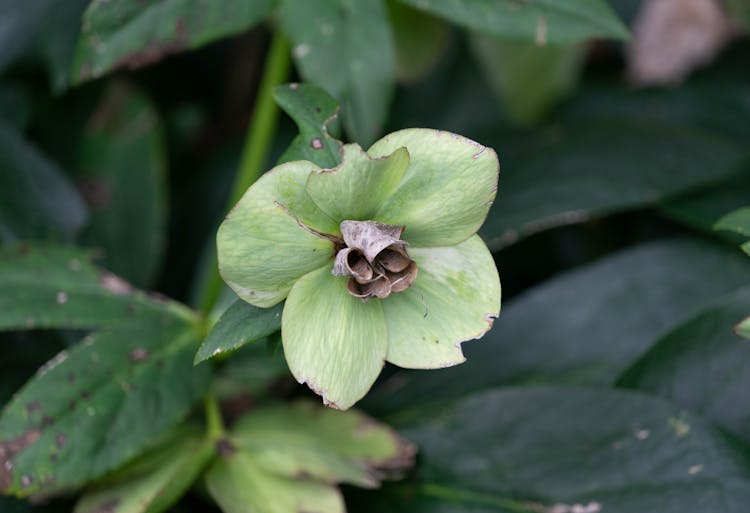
(257, 143)
(214, 423)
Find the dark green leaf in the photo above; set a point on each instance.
(593, 169)
(541, 21)
(718, 106)
(420, 39)
(93, 408)
(15, 105)
(45, 30)
(133, 33)
(703, 365)
(36, 199)
(241, 324)
(702, 209)
(123, 168)
(313, 110)
(19, 27)
(527, 78)
(52, 287)
(347, 48)
(572, 450)
(153, 482)
(584, 326)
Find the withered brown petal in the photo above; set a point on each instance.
(371, 237)
(351, 262)
(379, 287)
(402, 280)
(394, 259)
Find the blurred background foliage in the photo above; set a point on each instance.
(613, 375)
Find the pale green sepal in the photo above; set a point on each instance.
(357, 187)
(447, 190)
(305, 439)
(743, 328)
(153, 482)
(455, 298)
(334, 342)
(262, 247)
(239, 485)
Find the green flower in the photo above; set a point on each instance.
(378, 258)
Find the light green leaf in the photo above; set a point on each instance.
(239, 485)
(528, 79)
(448, 188)
(737, 221)
(537, 449)
(584, 326)
(313, 110)
(129, 33)
(240, 324)
(92, 408)
(303, 439)
(702, 365)
(334, 342)
(743, 328)
(54, 287)
(455, 298)
(262, 248)
(153, 482)
(541, 21)
(587, 170)
(123, 175)
(420, 40)
(347, 48)
(359, 185)
(36, 198)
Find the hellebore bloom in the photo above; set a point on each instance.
(378, 258)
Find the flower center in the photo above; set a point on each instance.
(375, 258)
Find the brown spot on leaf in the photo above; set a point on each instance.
(61, 440)
(108, 507)
(8, 449)
(225, 448)
(139, 355)
(26, 481)
(316, 143)
(96, 193)
(33, 407)
(114, 284)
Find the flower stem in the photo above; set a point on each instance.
(257, 143)
(214, 423)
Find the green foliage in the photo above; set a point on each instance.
(154, 481)
(544, 448)
(313, 110)
(129, 34)
(614, 380)
(123, 170)
(738, 222)
(542, 21)
(36, 199)
(240, 324)
(597, 168)
(346, 48)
